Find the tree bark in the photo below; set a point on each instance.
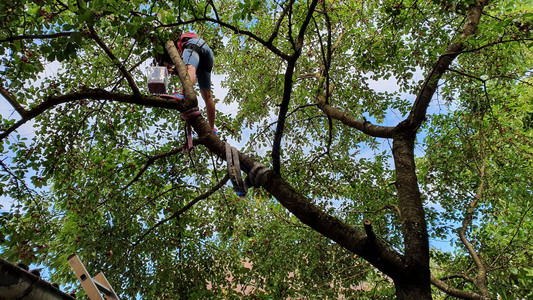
(415, 282)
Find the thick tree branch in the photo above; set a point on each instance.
(376, 251)
(9, 97)
(412, 216)
(282, 115)
(188, 88)
(418, 112)
(441, 285)
(278, 23)
(287, 90)
(95, 94)
(305, 24)
(348, 120)
(369, 230)
(289, 28)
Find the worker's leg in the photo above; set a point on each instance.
(191, 59)
(199, 68)
(192, 73)
(206, 95)
(204, 81)
(210, 107)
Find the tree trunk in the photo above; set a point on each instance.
(412, 291)
(415, 283)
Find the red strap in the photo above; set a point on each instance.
(186, 116)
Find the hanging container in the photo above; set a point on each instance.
(157, 80)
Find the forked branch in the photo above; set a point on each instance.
(480, 280)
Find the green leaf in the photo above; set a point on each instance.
(98, 168)
(76, 37)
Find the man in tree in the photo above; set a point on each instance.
(198, 57)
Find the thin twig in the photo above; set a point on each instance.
(37, 36)
(115, 60)
(185, 208)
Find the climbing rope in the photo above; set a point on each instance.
(255, 175)
(186, 116)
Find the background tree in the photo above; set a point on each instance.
(333, 99)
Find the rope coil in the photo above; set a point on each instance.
(255, 175)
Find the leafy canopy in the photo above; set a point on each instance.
(315, 89)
